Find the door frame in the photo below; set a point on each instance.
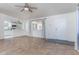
(43, 23)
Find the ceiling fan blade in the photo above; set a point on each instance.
(33, 7)
(26, 6)
(26, 3)
(22, 10)
(30, 10)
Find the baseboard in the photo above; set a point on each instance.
(52, 40)
(61, 42)
(14, 36)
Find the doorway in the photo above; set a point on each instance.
(7, 29)
(38, 28)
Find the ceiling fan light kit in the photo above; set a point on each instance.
(27, 7)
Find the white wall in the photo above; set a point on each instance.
(27, 27)
(17, 32)
(1, 27)
(62, 27)
(7, 34)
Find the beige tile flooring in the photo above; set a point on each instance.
(33, 46)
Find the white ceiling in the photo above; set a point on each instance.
(44, 9)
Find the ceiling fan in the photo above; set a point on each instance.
(26, 7)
